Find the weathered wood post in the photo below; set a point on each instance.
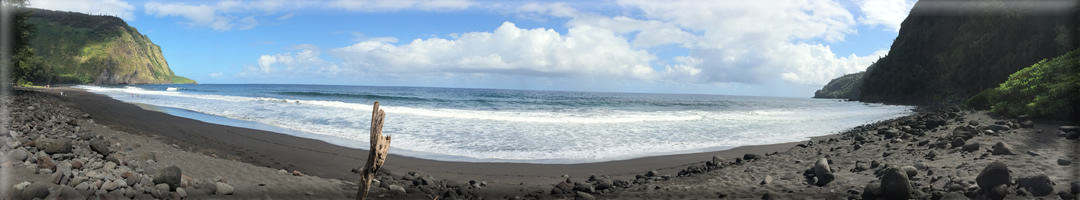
(380, 145)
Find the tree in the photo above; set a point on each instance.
(20, 59)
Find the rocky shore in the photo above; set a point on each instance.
(53, 151)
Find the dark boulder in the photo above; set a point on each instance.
(170, 175)
(1038, 184)
(895, 184)
(995, 173)
(100, 147)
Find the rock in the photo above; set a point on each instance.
(874, 164)
(223, 189)
(109, 165)
(750, 156)
(36, 190)
(170, 175)
(890, 133)
(767, 180)
(583, 196)
(911, 171)
(44, 162)
(18, 154)
(971, 146)
(1033, 153)
(973, 123)
(823, 172)
(584, 188)
(1002, 148)
(860, 166)
(54, 146)
(297, 173)
(1063, 162)
(76, 164)
(720, 161)
(957, 142)
(1066, 195)
(1027, 124)
(652, 173)
(998, 192)
(954, 196)
(1069, 128)
(1074, 187)
(995, 173)
(871, 191)
(895, 185)
(110, 186)
(1038, 184)
(181, 192)
(282, 171)
(68, 192)
(998, 127)
(1072, 135)
(100, 147)
(397, 189)
(604, 184)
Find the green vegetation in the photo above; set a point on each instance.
(25, 65)
(950, 57)
(181, 80)
(845, 87)
(80, 48)
(1047, 88)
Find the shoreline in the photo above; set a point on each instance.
(319, 158)
(943, 152)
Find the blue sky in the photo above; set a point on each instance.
(755, 48)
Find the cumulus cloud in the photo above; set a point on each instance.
(740, 42)
(888, 13)
(118, 8)
(379, 6)
(306, 59)
(212, 16)
(216, 74)
(583, 51)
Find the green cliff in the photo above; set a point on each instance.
(81, 48)
(845, 87)
(950, 50)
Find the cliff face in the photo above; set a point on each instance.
(845, 87)
(81, 48)
(949, 50)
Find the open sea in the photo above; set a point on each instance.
(496, 125)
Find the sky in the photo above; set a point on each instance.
(787, 48)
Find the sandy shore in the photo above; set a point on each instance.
(250, 160)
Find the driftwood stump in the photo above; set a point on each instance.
(380, 145)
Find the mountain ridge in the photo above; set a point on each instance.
(80, 48)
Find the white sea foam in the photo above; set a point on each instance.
(529, 136)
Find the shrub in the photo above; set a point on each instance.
(1047, 88)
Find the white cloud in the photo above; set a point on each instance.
(304, 60)
(888, 13)
(118, 8)
(216, 74)
(731, 42)
(286, 16)
(203, 15)
(380, 6)
(583, 51)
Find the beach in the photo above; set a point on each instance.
(259, 164)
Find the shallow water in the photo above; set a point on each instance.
(489, 125)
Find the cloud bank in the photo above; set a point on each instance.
(746, 42)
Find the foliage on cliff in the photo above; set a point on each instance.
(845, 87)
(1047, 88)
(949, 50)
(81, 48)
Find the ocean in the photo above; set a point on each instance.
(520, 126)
